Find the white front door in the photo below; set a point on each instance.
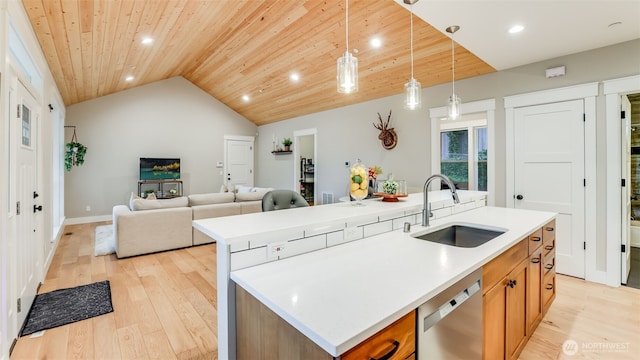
(28, 242)
(238, 161)
(625, 138)
(549, 174)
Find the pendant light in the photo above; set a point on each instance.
(412, 88)
(453, 108)
(347, 65)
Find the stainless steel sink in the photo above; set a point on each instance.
(460, 235)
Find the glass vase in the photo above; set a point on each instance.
(358, 182)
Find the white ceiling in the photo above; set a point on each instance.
(552, 28)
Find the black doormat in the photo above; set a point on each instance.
(65, 306)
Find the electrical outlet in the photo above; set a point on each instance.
(274, 250)
(353, 233)
(88, 208)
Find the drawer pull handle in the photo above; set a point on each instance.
(548, 247)
(535, 238)
(535, 260)
(549, 287)
(549, 229)
(548, 266)
(388, 355)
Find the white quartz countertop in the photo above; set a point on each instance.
(234, 230)
(341, 295)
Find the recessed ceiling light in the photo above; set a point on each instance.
(129, 78)
(146, 40)
(375, 42)
(516, 29)
(245, 98)
(294, 77)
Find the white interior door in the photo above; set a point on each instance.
(625, 122)
(28, 246)
(549, 174)
(238, 163)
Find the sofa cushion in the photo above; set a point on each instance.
(253, 195)
(137, 204)
(212, 198)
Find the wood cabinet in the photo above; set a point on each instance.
(534, 290)
(518, 288)
(504, 304)
(549, 265)
(396, 341)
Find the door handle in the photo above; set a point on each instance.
(519, 197)
(37, 208)
(35, 194)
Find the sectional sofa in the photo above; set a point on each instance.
(148, 226)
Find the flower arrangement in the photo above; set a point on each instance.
(374, 172)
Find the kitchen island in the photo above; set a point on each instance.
(338, 296)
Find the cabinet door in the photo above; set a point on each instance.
(516, 328)
(534, 290)
(494, 303)
(395, 342)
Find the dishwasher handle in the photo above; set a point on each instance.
(388, 355)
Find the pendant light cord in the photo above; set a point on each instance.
(453, 66)
(347, 25)
(411, 11)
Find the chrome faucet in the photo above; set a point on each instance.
(426, 209)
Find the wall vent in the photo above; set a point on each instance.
(327, 197)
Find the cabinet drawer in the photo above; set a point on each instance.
(549, 231)
(496, 269)
(535, 241)
(548, 289)
(548, 248)
(549, 262)
(398, 338)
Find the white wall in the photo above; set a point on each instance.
(169, 118)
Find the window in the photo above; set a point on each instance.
(26, 126)
(463, 152)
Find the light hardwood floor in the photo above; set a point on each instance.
(165, 308)
(164, 304)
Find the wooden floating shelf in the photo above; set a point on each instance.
(281, 152)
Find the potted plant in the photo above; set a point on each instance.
(287, 144)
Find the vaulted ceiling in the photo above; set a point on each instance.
(231, 48)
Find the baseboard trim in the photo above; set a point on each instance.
(88, 219)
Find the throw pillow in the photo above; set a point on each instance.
(145, 204)
(243, 189)
(252, 196)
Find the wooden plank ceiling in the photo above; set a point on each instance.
(230, 48)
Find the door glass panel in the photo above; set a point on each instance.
(454, 157)
(26, 126)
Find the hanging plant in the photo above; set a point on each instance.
(74, 153)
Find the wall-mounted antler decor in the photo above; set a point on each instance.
(387, 135)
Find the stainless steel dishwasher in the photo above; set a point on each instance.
(450, 324)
